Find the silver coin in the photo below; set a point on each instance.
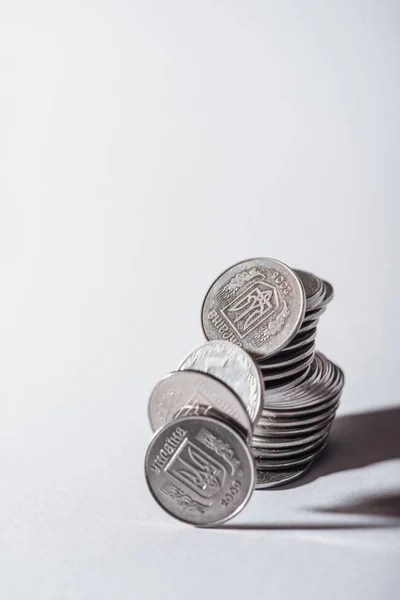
(270, 432)
(329, 293)
(281, 453)
(288, 442)
(290, 418)
(322, 385)
(300, 340)
(232, 365)
(272, 392)
(258, 304)
(181, 391)
(264, 464)
(316, 302)
(271, 479)
(300, 412)
(200, 470)
(313, 287)
(279, 374)
(312, 284)
(308, 326)
(284, 359)
(312, 315)
(295, 396)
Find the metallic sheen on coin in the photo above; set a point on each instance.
(233, 366)
(178, 393)
(200, 470)
(258, 304)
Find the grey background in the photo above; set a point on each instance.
(145, 146)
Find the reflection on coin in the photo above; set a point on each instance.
(258, 304)
(270, 479)
(233, 366)
(200, 470)
(178, 393)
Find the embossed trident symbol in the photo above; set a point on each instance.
(255, 304)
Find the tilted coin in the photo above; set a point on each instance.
(232, 365)
(270, 479)
(200, 470)
(181, 391)
(258, 304)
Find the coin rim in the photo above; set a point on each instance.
(253, 420)
(302, 301)
(247, 431)
(247, 452)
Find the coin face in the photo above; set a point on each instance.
(184, 392)
(258, 304)
(200, 470)
(233, 366)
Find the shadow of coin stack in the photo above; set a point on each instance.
(302, 391)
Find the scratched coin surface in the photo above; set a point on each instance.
(235, 367)
(200, 470)
(258, 304)
(182, 392)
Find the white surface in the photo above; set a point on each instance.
(146, 146)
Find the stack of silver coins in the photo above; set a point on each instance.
(252, 407)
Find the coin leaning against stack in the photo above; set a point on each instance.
(253, 406)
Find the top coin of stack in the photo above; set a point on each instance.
(258, 304)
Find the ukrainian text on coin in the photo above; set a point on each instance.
(200, 470)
